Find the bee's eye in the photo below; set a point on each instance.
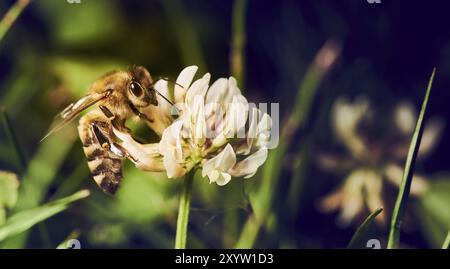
(136, 89)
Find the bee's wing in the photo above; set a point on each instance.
(74, 109)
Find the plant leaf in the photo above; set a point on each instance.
(26, 219)
(237, 56)
(11, 134)
(402, 198)
(433, 210)
(11, 16)
(446, 241)
(363, 228)
(9, 188)
(9, 185)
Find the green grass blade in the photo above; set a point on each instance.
(237, 60)
(446, 241)
(73, 181)
(9, 189)
(11, 16)
(11, 135)
(363, 227)
(26, 219)
(184, 31)
(249, 233)
(43, 167)
(40, 173)
(402, 198)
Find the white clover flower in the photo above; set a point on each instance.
(210, 131)
(345, 119)
(362, 188)
(372, 161)
(216, 130)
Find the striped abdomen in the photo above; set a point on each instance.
(105, 166)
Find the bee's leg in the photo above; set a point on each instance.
(105, 166)
(145, 156)
(107, 112)
(139, 114)
(104, 137)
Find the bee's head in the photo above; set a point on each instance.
(140, 90)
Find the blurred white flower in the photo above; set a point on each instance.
(346, 117)
(375, 157)
(209, 131)
(404, 117)
(362, 188)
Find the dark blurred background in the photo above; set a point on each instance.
(56, 49)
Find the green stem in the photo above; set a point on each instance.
(11, 16)
(447, 241)
(183, 211)
(405, 186)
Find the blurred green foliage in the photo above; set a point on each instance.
(56, 50)
(9, 185)
(25, 219)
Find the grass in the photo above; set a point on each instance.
(263, 197)
(25, 219)
(11, 16)
(357, 236)
(11, 135)
(446, 241)
(403, 194)
(237, 55)
(44, 167)
(39, 175)
(184, 31)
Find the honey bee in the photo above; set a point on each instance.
(117, 96)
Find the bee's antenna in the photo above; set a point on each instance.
(168, 80)
(172, 104)
(165, 98)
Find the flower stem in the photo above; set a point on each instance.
(183, 211)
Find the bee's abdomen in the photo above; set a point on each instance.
(105, 166)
